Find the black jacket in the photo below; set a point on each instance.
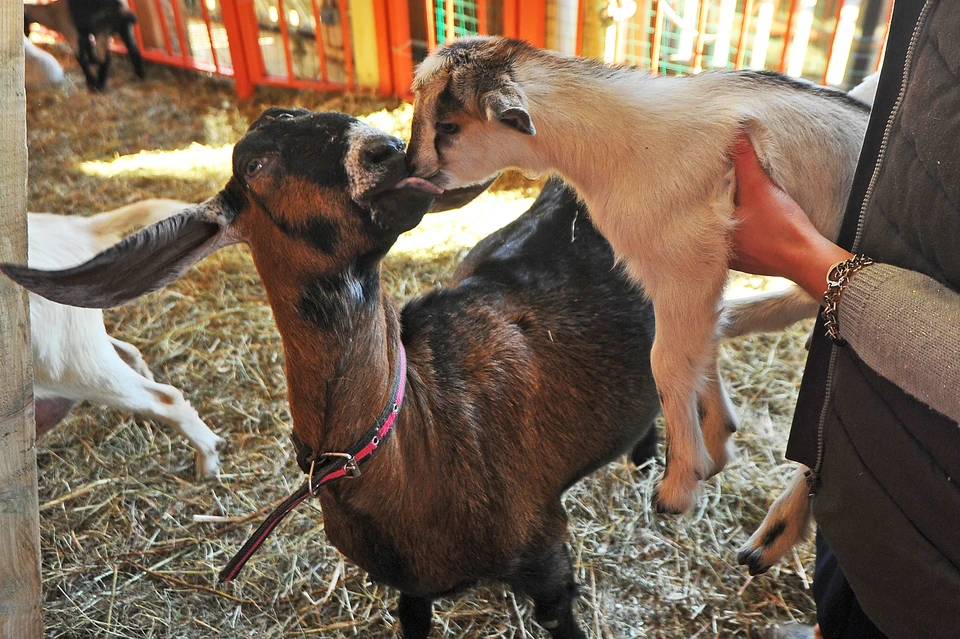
(887, 467)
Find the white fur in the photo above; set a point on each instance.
(650, 157)
(866, 91)
(40, 69)
(74, 357)
(772, 312)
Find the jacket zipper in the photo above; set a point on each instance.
(813, 477)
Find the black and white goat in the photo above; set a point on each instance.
(528, 374)
(87, 25)
(74, 359)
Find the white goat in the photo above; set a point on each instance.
(40, 69)
(650, 157)
(73, 356)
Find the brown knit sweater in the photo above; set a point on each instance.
(906, 327)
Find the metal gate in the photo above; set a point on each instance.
(373, 45)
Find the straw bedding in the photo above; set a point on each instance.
(132, 544)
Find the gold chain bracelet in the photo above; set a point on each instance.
(837, 278)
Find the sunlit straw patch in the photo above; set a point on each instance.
(196, 162)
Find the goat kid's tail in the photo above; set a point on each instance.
(109, 228)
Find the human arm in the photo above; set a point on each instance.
(904, 325)
(773, 235)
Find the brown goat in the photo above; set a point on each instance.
(530, 373)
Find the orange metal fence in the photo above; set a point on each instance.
(373, 45)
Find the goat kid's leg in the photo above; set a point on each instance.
(130, 391)
(548, 580)
(686, 324)
(86, 58)
(131, 357)
(103, 70)
(786, 524)
(718, 420)
(766, 312)
(416, 615)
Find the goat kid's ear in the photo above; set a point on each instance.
(508, 105)
(140, 264)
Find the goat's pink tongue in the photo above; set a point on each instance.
(419, 183)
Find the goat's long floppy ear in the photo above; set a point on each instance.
(455, 198)
(508, 105)
(140, 264)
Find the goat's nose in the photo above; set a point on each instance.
(382, 151)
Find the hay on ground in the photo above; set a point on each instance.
(132, 544)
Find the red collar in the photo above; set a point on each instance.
(325, 468)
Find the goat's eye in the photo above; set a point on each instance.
(448, 128)
(253, 167)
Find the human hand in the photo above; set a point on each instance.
(773, 235)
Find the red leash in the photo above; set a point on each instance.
(334, 466)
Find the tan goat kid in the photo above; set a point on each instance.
(650, 158)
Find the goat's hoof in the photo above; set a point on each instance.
(766, 547)
(664, 506)
(753, 559)
(719, 463)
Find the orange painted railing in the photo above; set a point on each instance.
(276, 46)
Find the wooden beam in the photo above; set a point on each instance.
(19, 513)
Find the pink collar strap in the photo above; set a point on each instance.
(325, 468)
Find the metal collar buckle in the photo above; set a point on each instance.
(350, 467)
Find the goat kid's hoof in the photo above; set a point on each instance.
(676, 492)
(675, 505)
(719, 456)
(767, 546)
(753, 559)
(208, 464)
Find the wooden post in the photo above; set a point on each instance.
(19, 514)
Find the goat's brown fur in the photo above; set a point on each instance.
(529, 374)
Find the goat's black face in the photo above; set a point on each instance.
(299, 166)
